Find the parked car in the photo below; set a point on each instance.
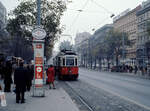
(117, 69)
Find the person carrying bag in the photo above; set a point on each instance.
(2, 97)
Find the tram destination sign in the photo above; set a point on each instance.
(38, 33)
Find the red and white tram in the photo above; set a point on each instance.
(66, 64)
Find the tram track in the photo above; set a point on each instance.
(81, 103)
(79, 97)
(90, 98)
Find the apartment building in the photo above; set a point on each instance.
(127, 22)
(143, 17)
(2, 14)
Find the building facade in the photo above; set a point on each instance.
(127, 22)
(80, 37)
(87, 47)
(2, 15)
(81, 44)
(143, 17)
(97, 39)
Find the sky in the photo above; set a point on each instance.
(95, 14)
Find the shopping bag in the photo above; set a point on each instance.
(3, 99)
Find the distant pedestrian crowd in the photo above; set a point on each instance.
(131, 69)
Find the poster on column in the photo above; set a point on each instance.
(38, 52)
(38, 76)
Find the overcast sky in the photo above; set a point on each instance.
(95, 14)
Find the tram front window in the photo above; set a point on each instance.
(69, 61)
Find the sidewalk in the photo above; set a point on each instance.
(54, 100)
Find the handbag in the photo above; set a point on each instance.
(3, 99)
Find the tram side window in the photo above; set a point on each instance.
(59, 61)
(76, 61)
(63, 61)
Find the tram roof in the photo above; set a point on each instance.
(66, 52)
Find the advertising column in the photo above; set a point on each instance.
(38, 45)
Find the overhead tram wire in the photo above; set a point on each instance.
(111, 16)
(96, 3)
(101, 6)
(93, 29)
(79, 13)
(85, 11)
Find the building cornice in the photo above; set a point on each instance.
(143, 10)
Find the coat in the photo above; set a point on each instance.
(20, 79)
(30, 75)
(50, 74)
(8, 73)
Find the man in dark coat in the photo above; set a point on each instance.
(30, 75)
(8, 76)
(20, 80)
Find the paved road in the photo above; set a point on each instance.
(133, 89)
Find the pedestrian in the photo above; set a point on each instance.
(135, 69)
(29, 77)
(51, 76)
(0, 88)
(14, 66)
(142, 70)
(145, 70)
(8, 76)
(0, 84)
(130, 69)
(20, 80)
(2, 69)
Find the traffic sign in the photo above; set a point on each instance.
(39, 33)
